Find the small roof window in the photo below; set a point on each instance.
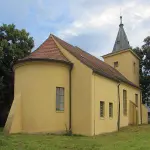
(116, 64)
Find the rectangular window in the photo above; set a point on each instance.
(136, 99)
(134, 67)
(110, 110)
(102, 105)
(115, 64)
(125, 102)
(59, 99)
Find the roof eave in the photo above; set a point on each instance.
(99, 73)
(43, 59)
(116, 80)
(114, 53)
(119, 52)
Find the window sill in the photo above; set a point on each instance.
(110, 118)
(102, 118)
(59, 111)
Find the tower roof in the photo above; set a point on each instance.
(121, 42)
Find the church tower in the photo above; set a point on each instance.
(123, 58)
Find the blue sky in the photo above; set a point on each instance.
(89, 24)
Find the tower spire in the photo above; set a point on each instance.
(121, 42)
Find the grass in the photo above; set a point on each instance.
(130, 138)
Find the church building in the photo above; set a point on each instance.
(61, 88)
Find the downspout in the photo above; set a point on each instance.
(141, 105)
(70, 96)
(94, 105)
(118, 122)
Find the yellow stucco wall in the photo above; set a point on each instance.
(81, 96)
(37, 82)
(106, 90)
(131, 91)
(144, 115)
(126, 61)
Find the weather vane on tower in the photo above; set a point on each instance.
(120, 18)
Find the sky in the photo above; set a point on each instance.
(89, 24)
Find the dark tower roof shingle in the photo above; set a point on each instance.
(121, 42)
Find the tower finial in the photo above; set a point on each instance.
(121, 24)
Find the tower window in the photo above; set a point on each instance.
(116, 64)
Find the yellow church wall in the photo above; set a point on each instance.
(126, 60)
(104, 89)
(37, 82)
(34, 106)
(81, 95)
(131, 91)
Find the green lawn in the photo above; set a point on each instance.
(130, 138)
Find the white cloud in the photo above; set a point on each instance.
(89, 24)
(107, 20)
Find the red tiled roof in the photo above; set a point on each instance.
(47, 51)
(94, 63)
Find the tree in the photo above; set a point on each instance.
(144, 54)
(14, 44)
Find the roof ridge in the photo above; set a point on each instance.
(92, 56)
(51, 35)
(78, 48)
(62, 40)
